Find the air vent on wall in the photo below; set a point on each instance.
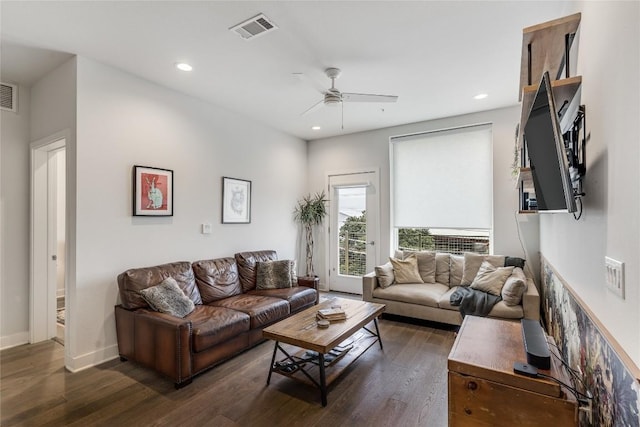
(9, 97)
(254, 27)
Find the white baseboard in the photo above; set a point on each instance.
(14, 340)
(88, 360)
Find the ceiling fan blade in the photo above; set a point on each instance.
(313, 108)
(307, 80)
(367, 97)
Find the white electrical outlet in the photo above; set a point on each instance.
(615, 276)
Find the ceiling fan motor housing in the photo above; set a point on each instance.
(332, 98)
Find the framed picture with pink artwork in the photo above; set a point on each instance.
(152, 191)
(236, 201)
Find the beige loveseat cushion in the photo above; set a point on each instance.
(491, 279)
(428, 294)
(456, 266)
(499, 310)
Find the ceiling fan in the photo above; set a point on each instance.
(333, 96)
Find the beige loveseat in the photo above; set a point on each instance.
(443, 274)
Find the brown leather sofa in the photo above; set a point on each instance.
(228, 318)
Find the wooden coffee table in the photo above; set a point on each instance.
(351, 337)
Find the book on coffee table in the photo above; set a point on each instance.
(332, 314)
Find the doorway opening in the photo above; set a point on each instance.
(353, 229)
(48, 240)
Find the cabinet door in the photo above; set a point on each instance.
(477, 402)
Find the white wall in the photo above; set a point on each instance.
(125, 121)
(608, 60)
(369, 149)
(14, 217)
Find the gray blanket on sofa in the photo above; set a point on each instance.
(473, 301)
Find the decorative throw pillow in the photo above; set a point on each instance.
(442, 268)
(167, 297)
(406, 270)
(276, 274)
(385, 276)
(490, 279)
(426, 264)
(513, 261)
(514, 287)
(472, 262)
(456, 267)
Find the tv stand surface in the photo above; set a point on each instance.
(484, 390)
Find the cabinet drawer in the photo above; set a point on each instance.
(477, 402)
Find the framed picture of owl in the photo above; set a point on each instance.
(236, 201)
(152, 191)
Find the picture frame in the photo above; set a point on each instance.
(152, 191)
(236, 201)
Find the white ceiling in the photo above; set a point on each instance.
(435, 55)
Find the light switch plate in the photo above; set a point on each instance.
(206, 228)
(614, 276)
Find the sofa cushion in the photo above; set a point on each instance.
(385, 276)
(415, 293)
(298, 297)
(247, 266)
(426, 264)
(442, 268)
(217, 278)
(213, 325)
(501, 310)
(455, 272)
(167, 297)
(445, 300)
(261, 309)
(514, 287)
(406, 270)
(276, 274)
(490, 279)
(498, 310)
(472, 262)
(132, 281)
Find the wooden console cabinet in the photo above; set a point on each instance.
(484, 390)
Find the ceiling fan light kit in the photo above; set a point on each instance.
(333, 96)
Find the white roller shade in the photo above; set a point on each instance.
(443, 179)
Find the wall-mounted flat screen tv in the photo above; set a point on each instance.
(547, 153)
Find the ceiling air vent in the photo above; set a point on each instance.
(254, 27)
(9, 97)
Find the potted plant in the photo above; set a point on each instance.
(310, 212)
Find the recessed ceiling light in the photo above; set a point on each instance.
(315, 127)
(184, 66)
(480, 96)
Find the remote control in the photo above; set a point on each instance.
(524, 369)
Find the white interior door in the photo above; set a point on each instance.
(353, 229)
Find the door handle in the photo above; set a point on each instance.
(54, 257)
(372, 243)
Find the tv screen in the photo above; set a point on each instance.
(547, 154)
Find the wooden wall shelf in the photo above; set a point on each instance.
(547, 41)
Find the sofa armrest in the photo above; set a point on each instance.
(369, 283)
(163, 342)
(531, 301)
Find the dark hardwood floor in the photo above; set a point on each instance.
(403, 385)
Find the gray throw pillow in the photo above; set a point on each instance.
(167, 297)
(385, 276)
(514, 288)
(276, 274)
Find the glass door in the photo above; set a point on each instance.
(353, 230)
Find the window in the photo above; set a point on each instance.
(442, 190)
